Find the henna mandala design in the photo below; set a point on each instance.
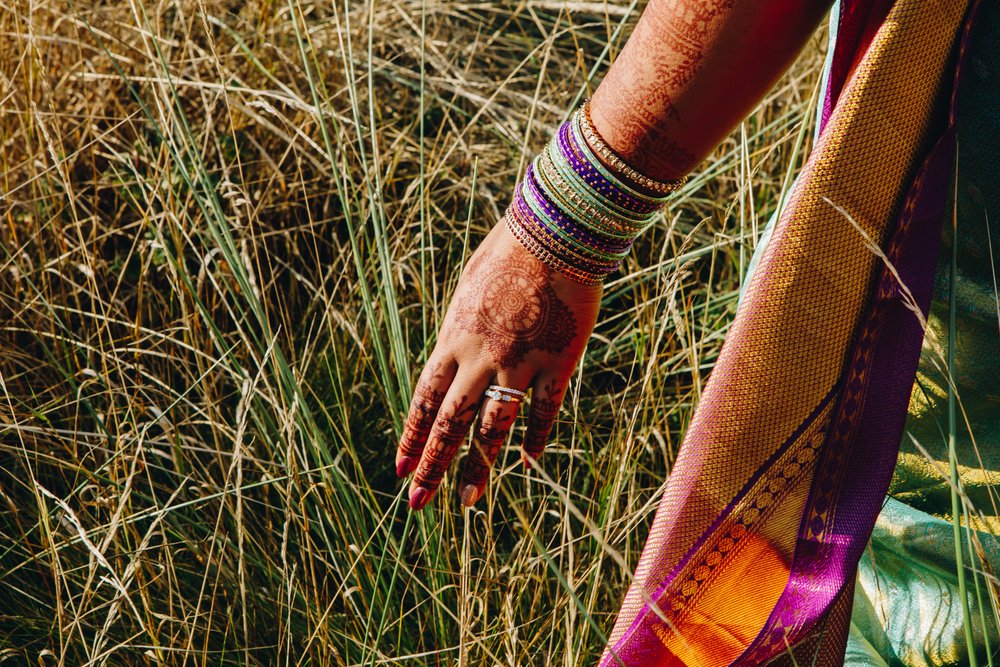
(516, 309)
(543, 414)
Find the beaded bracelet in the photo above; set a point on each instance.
(579, 207)
(558, 190)
(583, 162)
(598, 175)
(613, 245)
(612, 158)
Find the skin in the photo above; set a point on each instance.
(690, 71)
(514, 322)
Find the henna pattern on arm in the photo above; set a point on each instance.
(644, 131)
(690, 70)
(686, 28)
(514, 307)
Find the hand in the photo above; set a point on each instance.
(514, 322)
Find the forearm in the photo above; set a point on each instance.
(690, 71)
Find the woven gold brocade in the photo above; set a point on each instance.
(786, 348)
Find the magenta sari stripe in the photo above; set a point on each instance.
(888, 352)
(625, 653)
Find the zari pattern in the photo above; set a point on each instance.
(824, 341)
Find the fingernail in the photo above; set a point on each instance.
(406, 465)
(469, 495)
(418, 498)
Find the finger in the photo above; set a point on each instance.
(448, 432)
(546, 397)
(496, 417)
(427, 399)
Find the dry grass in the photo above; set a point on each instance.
(229, 232)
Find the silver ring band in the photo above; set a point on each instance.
(508, 390)
(505, 394)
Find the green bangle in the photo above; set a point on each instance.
(565, 198)
(597, 199)
(580, 247)
(590, 216)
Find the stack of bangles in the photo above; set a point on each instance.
(574, 213)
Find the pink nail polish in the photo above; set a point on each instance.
(406, 465)
(419, 498)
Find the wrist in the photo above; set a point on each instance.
(639, 137)
(577, 212)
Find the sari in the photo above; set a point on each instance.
(753, 554)
(908, 602)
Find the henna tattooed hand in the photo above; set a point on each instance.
(513, 322)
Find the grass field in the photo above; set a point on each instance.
(230, 230)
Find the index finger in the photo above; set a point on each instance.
(449, 431)
(431, 389)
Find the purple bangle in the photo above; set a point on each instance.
(551, 241)
(588, 214)
(570, 245)
(557, 153)
(601, 242)
(573, 154)
(559, 246)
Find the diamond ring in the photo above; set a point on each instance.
(505, 394)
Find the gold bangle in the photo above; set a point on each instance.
(601, 148)
(570, 200)
(559, 245)
(547, 258)
(558, 249)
